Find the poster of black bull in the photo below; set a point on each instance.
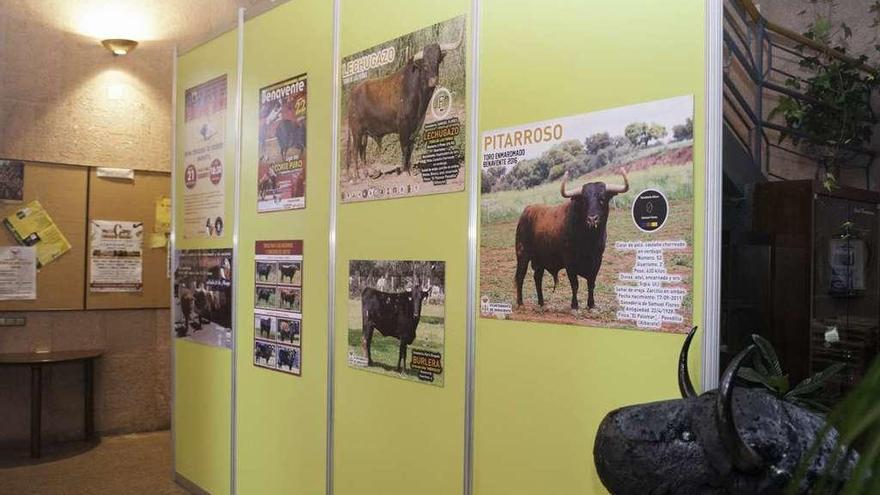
(589, 219)
(403, 114)
(203, 296)
(278, 276)
(282, 144)
(396, 318)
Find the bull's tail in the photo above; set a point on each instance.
(555, 280)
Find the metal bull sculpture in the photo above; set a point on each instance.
(734, 440)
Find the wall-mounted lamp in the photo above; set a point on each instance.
(119, 46)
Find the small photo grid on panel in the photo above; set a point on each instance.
(278, 291)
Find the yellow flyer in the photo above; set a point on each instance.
(32, 226)
(163, 215)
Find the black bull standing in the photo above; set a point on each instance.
(570, 235)
(393, 315)
(394, 104)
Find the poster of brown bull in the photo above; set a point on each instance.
(281, 169)
(403, 115)
(589, 219)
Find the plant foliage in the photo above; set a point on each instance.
(857, 420)
(834, 116)
(767, 372)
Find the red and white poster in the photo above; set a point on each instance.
(204, 191)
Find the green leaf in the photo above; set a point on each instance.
(765, 348)
(816, 382)
(750, 375)
(759, 366)
(821, 27)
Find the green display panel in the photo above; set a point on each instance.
(400, 432)
(202, 416)
(542, 388)
(281, 418)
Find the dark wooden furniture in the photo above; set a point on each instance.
(824, 277)
(36, 361)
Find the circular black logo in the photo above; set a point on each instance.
(649, 210)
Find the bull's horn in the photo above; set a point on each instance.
(419, 55)
(619, 189)
(445, 47)
(684, 378)
(562, 187)
(742, 456)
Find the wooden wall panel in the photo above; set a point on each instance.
(113, 199)
(62, 190)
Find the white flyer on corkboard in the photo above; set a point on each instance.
(116, 256)
(18, 272)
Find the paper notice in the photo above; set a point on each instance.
(115, 173)
(163, 216)
(18, 272)
(116, 256)
(203, 166)
(158, 241)
(32, 226)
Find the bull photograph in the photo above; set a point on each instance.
(278, 272)
(203, 296)
(396, 318)
(266, 297)
(281, 169)
(600, 203)
(403, 111)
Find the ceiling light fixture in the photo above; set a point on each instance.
(119, 46)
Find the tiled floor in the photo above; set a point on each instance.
(127, 464)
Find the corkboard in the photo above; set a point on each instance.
(114, 199)
(63, 192)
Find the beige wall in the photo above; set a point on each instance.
(55, 103)
(132, 379)
(65, 99)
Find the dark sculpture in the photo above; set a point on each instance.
(745, 443)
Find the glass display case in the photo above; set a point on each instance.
(802, 269)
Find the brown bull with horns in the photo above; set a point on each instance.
(570, 235)
(394, 104)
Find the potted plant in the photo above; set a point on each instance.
(834, 118)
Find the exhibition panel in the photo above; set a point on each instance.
(356, 221)
(281, 363)
(591, 133)
(401, 259)
(206, 138)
